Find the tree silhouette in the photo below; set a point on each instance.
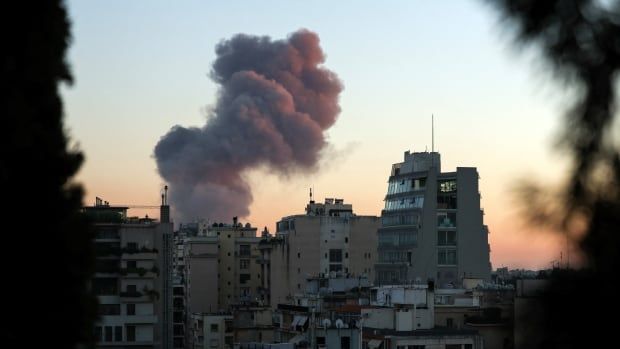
(47, 256)
(581, 41)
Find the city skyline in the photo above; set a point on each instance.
(490, 109)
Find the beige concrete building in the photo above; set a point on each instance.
(328, 239)
(221, 268)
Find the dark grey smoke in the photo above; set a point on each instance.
(274, 103)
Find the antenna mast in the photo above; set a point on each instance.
(432, 133)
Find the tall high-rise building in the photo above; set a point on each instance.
(329, 239)
(432, 224)
(132, 277)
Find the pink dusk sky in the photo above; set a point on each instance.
(141, 67)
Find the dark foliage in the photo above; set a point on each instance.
(581, 41)
(47, 256)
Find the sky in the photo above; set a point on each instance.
(141, 67)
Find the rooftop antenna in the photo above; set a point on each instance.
(432, 133)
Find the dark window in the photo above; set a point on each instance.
(132, 265)
(335, 256)
(131, 289)
(446, 238)
(131, 333)
(98, 333)
(243, 278)
(453, 346)
(345, 342)
(214, 328)
(131, 309)
(108, 333)
(467, 346)
(298, 255)
(244, 250)
(107, 266)
(109, 309)
(450, 323)
(446, 201)
(107, 233)
(446, 256)
(346, 255)
(118, 333)
(132, 246)
(346, 240)
(105, 286)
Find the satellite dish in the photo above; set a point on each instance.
(339, 323)
(327, 323)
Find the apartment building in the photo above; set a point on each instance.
(221, 268)
(133, 277)
(328, 239)
(432, 225)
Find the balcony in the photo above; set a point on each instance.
(140, 272)
(261, 260)
(141, 319)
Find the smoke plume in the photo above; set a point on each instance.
(274, 103)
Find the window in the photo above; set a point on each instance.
(447, 186)
(243, 278)
(399, 220)
(109, 309)
(105, 286)
(244, 264)
(130, 333)
(298, 255)
(446, 202)
(107, 266)
(132, 246)
(335, 256)
(453, 346)
(98, 333)
(132, 265)
(118, 333)
(446, 238)
(108, 333)
(346, 255)
(467, 346)
(450, 323)
(131, 289)
(335, 267)
(398, 238)
(346, 240)
(446, 257)
(131, 309)
(446, 219)
(244, 250)
(214, 328)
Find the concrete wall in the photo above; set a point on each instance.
(472, 235)
(201, 275)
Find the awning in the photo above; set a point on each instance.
(299, 320)
(374, 343)
(297, 339)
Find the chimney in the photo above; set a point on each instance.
(164, 209)
(234, 221)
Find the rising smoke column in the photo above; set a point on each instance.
(274, 103)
